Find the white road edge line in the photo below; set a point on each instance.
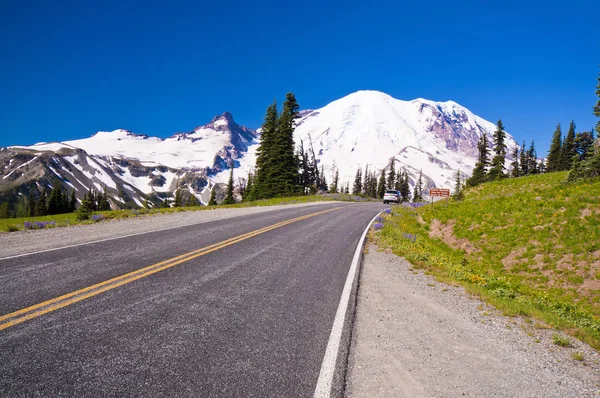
(325, 381)
(136, 234)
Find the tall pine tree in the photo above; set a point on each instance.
(479, 172)
(391, 180)
(357, 187)
(554, 162)
(229, 200)
(568, 150)
(497, 166)
(381, 185)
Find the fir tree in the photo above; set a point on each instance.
(479, 172)
(584, 145)
(568, 150)
(391, 180)
(72, 202)
(405, 188)
(523, 161)
(514, 166)
(322, 181)
(418, 191)
(55, 200)
(192, 201)
(590, 167)
(357, 187)
(85, 210)
(31, 202)
(41, 207)
(266, 157)
(249, 187)
(336, 180)
(103, 204)
(381, 185)
(178, 199)
(229, 200)
(554, 154)
(458, 191)
(497, 166)
(532, 166)
(213, 197)
(286, 167)
(398, 184)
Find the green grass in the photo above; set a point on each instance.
(562, 341)
(530, 246)
(63, 220)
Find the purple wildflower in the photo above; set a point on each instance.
(388, 211)
(97, 217)
(378, 226)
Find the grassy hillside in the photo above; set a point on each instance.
(530, 246)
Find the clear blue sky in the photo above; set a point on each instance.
(71, 68)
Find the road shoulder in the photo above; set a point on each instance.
(415, 337)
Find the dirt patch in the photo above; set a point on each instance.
(585, 213)
(513, 258)
(566, 262)
(446, 234)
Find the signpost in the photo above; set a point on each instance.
(442, 192)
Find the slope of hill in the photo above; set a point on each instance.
(531, 245)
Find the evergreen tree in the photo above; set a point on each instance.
(418, 191)
(479, 172)
(568, 150)
(178, 198)
(381, 185)
(554, 154)
(266, 156)
(55, 202)
(523, 161)
(514, 166)
(103, 204)
(357, 187)
(192, 201)
(249, 186)
(497, 166)
(72, 202)
(590, 167)
(213, 197)
(584, 144)
(398, 184)
(85, 210)
(286, 167)
(458, 191)
(229, 200)
(347, 190)
(336, 180)
(391, 180)
(322, 180)
(405, 187)
(31, 202)
(532, 166)
(41, 207)
(365, 184)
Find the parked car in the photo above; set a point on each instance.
(391, 196)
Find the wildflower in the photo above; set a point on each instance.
(379, 219)
(378, 226)
(388, 211)
(97, 217)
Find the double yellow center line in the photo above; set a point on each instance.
(34, 311)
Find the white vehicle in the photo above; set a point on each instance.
(390, 196)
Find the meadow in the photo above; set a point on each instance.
(529, 246)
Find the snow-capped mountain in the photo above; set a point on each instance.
(132, 167)
(372, 128)
(366, 128)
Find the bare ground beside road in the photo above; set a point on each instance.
(415, 337)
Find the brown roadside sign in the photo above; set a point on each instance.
(444, 192)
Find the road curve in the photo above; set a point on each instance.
(235, 307)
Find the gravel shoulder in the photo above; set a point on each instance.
(416, 337)
(20, 242)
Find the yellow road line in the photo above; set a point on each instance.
(54, 304)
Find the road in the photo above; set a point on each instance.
(244, 317)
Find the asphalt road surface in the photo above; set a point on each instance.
(184, 312)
